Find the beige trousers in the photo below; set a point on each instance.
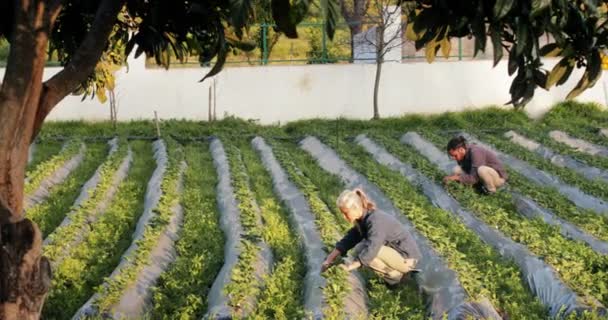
(488, 176)
(389, 264)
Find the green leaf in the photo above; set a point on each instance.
(424, 20)
(550, 50)
(591, 75)
(281, 13)
(431, 50)
(581, 86)
(222, 54)
(332, 14)
(522, 38)
(513, 62)
(446, 47)
(594, 66)
(241, 11)
(502, 8)
(558, 71)
(540, 78)
(538, 6)
(495, 33)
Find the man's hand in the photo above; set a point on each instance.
(325, 265)
(453, 177)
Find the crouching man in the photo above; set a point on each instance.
(477, 166)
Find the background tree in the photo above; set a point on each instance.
(385, 36)
(578, 29)
(90, 38)
(354, 12)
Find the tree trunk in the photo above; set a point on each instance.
(377, 87)
(25, 101)
(379, 62)
(352, 46)
(25, 273)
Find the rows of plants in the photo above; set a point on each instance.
(244, 284)
(111, 292)
(49, 214)
(337, 287)
(181, 292)
(497, 121)
(76, 278)
(582, 120)
(584, 270)
(281, 297)
(44, 150)
(548, 197)
(579, 120)
(311, 179)
(481, 270)
(541, 133)
(597, 188)
(62, 239)
(43, 170)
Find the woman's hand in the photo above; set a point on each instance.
(330, 259)
(325, 265)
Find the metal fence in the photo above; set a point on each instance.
(313, 46)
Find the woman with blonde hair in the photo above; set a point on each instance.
(380, 240)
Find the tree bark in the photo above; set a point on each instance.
(25, 101)
(377, 87)
(354, 15)
(379, 62)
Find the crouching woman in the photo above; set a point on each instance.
(379, 240)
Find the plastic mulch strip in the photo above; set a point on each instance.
(540, 177)
(303, 219)
(591, 173)
(540, 277)
(579, 144)
(446, 294)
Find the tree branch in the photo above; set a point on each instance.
(83, 62)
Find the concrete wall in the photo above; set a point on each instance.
(286, 93)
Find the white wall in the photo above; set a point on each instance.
(286, 93)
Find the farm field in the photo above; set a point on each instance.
(233, 219)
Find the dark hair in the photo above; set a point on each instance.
(457, 142)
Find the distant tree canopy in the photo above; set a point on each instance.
(578, 30)
(211, 29)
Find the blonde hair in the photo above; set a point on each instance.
(355, 199)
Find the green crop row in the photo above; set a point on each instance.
(63, 236)
(181, 292)
(49, 214)
(44, 150)
(481, 270)
(384, 303)
(550, 198)
(110, 294)
(46, 168)
(243, 283)
(579, 119)
(540, 133)
(76, 278)
(596, 188)
(282, 294)
(337, 288)
(584, 270)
